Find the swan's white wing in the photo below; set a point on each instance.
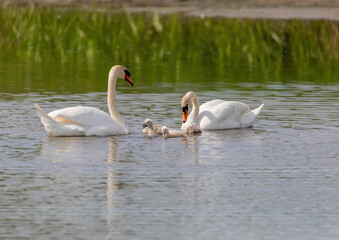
(55, 128)
(87, 116)
(97, 122)
(219, 114)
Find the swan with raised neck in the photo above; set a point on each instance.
(89, 121)
(117, 71)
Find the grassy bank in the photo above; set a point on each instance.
(65, 35)
(60, 32)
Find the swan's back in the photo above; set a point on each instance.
(219, 114)
(87, 116)
(96, 122)
(221, 108)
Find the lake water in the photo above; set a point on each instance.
(277, 180)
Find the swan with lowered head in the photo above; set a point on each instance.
(168, 133)
(89, 121)
(216, 114)
(150, 129)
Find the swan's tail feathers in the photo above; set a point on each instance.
(258, 109)
(45, 119)
(55, 128)
(249, 117)
(48, 122)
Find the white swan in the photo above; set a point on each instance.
(89, 121)
(216, 114)
(168, 133)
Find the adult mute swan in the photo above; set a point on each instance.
(89, 121)
(168, 133)
(216, 114)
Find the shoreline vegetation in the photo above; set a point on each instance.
(59, 31)
(38, 37)
(244, 9)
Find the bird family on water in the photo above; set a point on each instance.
(90, 121)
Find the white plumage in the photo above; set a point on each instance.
(88, 121)
(217, 114)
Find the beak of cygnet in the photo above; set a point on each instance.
(144, 125)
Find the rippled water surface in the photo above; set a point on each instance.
(277, 180)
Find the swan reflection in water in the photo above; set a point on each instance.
(96, 154)
(117, 174)
(112, 186)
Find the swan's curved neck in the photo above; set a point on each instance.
(194, 115)
(111, 101)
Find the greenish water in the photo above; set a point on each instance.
(277, 180)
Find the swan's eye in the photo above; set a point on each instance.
(185, 108)
(127, 73)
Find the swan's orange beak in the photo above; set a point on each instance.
(185, 113)
(129, 80)
(184, 116)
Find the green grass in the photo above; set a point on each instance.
(59, 32)
(77, 36)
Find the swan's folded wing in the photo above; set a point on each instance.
(85, 116)
(67, 121)
(55, 128)
(219, 114)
